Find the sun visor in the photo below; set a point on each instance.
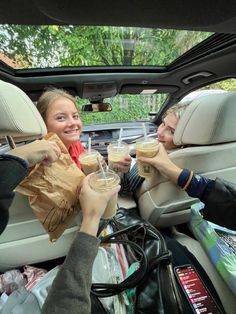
(136, 89)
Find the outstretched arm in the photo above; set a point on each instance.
(219, 196)
(70, 291)
(193, 184)
(37, 151)
(163, 164)
(14, 167)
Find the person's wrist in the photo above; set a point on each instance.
(92, 217)
(171, 170)
(90, 224)
(20, 154)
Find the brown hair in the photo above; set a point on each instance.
(48, 97)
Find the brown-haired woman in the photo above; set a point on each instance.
(59, 111)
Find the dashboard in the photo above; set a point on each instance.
(101, 135)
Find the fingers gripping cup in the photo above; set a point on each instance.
(116, 152)
(88, 161)
(102, 182)
(146, 148)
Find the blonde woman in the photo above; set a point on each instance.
(165, 134)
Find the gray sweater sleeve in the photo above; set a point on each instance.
(70, 291)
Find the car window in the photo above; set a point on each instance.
(218, 87)
(226, 85)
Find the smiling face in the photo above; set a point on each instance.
(63, 119)
(166, 130)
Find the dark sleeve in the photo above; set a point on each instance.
(196, 187)
(131, 180)
(70, 291)
(220, 203)
(12, 172)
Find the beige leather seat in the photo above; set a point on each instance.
(208, 124)
(24, 240)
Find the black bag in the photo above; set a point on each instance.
(156, 289)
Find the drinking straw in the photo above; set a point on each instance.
(89, 145)
(119, 140)
(101, 168)
(144, 131)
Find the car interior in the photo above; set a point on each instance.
(205, 132)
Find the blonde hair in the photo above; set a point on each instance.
(48, 97)
(177, 110)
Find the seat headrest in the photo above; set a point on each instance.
(208, 120)
(19, 116)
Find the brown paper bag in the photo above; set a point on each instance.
(53, 191)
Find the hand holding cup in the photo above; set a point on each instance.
(93, 204)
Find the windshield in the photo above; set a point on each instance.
(43, 46)
(125, 108)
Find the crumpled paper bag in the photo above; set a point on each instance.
(53, 191)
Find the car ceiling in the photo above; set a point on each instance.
(186, 14)
(217, 16)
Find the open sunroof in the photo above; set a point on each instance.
(53, 46)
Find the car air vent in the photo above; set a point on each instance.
(152, 128)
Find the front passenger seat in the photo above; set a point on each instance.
(208, 125)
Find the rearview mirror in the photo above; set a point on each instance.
(97, 107)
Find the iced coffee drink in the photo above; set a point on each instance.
(88, 161)
(146, 148)
(116, 152)
(102, 182)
